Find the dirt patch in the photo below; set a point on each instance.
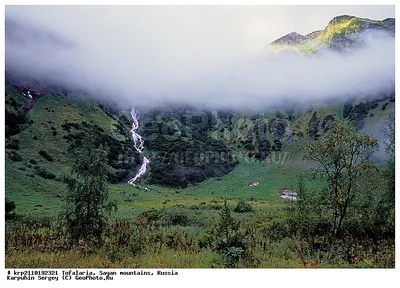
(287, 194)
(253, 183)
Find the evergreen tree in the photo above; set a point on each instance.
(227, 223)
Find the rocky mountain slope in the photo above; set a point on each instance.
(338, 35)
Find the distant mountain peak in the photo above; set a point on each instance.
(335, 35)
(341, 18)
(313, 34)
(290, 39)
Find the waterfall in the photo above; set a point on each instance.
(138, 142)
(142, 170)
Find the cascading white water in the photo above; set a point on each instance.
(137, 139)
(139, 146)
(140, 173)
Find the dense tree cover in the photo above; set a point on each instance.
(182, 150)
(387, 207)
(357, 113)
(121, 156)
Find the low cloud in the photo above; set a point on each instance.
(132, 59)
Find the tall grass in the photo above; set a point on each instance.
(159, 243)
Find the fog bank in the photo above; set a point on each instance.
(211, 57)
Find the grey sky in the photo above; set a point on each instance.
(250, 27)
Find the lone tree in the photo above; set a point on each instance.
(87, 193)
(227, 224)
(343, 156)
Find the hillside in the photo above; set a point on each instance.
(43, 133)
(186, 146)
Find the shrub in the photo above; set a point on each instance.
(148, 219)
(243, 207)
(231, 256)
(178, 216)
(204, 240)
(46, 155)
(113, 253)
(14, 144)
(137, 242)
(32, 161)
(44, 173)
(14, 156)
(9, 209)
